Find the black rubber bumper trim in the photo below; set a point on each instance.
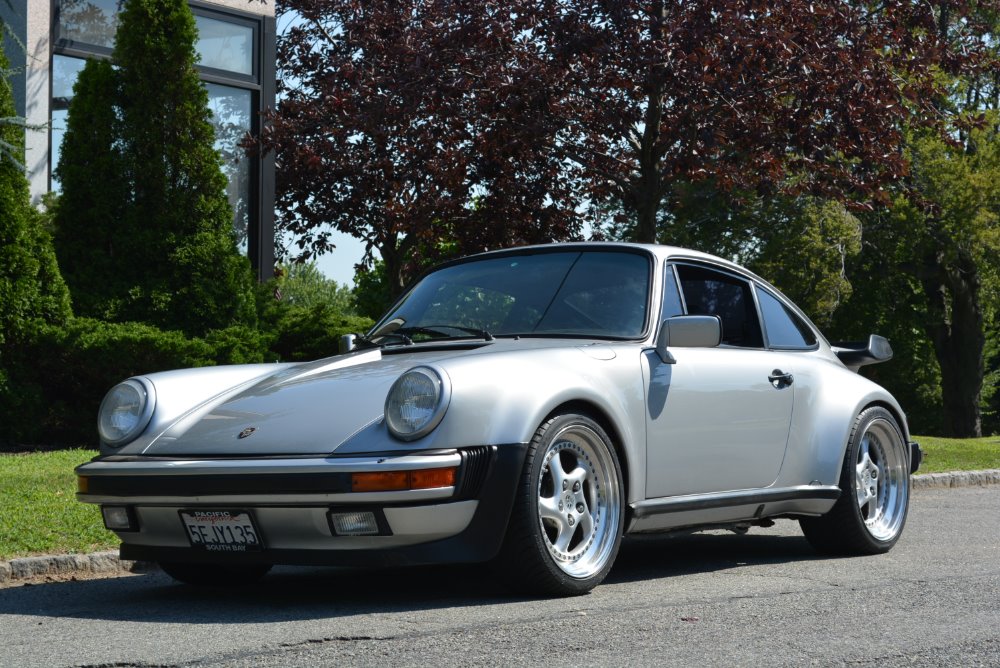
(218, 484)
(479, 542)
(916, 456)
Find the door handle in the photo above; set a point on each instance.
(779, 378)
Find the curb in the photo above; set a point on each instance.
(956, 479)
(99, 563)
(108, 563)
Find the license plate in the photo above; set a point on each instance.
(221, 530)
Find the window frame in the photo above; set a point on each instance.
(671, 280)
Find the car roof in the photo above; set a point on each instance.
(660, 251)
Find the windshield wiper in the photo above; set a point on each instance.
(403, 334)
(369, 341)
(435, 330)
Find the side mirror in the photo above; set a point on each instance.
(688, 331)
(346, 343)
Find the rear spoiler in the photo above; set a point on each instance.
(856, 354)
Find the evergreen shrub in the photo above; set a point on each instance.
(62, 373)
(31, 288)
(296, 333)
(144, 228)
(302, 334)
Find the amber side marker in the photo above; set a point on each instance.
(396, 481)
(82, 484)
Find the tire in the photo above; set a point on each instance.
(215, 575)
(566, 524)
(869, 516)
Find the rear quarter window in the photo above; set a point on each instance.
(784, 328)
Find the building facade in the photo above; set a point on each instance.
(236, 45)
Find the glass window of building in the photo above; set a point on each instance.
(90, 22)
(232, 110)
(223, 45)
(65, 70)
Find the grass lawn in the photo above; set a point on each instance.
(959, 454)
(39, 513)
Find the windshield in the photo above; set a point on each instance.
(588, 294)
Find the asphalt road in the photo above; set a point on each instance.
(764, 599)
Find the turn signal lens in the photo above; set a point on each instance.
(82, 484)
(430, 478)
(396, 481)
(378, 482)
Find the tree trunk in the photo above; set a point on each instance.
(647, 205)
(648, 188)
(955, 327)
(393, 261)
(395, 252)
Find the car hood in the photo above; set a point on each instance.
(305, 409)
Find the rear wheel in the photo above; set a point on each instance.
(869, 516)
(215, 575)
(566, 524)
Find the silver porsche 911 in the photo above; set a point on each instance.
(525, 407)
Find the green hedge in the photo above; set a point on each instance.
(57, 378)
(302, 334)
(52, 383)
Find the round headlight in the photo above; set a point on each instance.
(416, 403)
(125, 412)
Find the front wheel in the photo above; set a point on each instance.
(215, 575)
(868, 517)
(566, 525)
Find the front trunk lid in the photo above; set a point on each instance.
(309, 409)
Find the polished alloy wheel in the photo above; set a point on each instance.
(869, 516)
(881, 480)
(579, 501)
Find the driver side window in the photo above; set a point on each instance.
(710, 292)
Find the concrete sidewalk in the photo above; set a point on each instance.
(98, 564)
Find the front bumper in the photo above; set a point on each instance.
(291, 499)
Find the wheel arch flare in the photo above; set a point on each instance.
(494, 410)
(821, 428)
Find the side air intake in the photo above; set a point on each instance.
(476, 463)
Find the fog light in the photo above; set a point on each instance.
(119, 518)
(354, 524)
